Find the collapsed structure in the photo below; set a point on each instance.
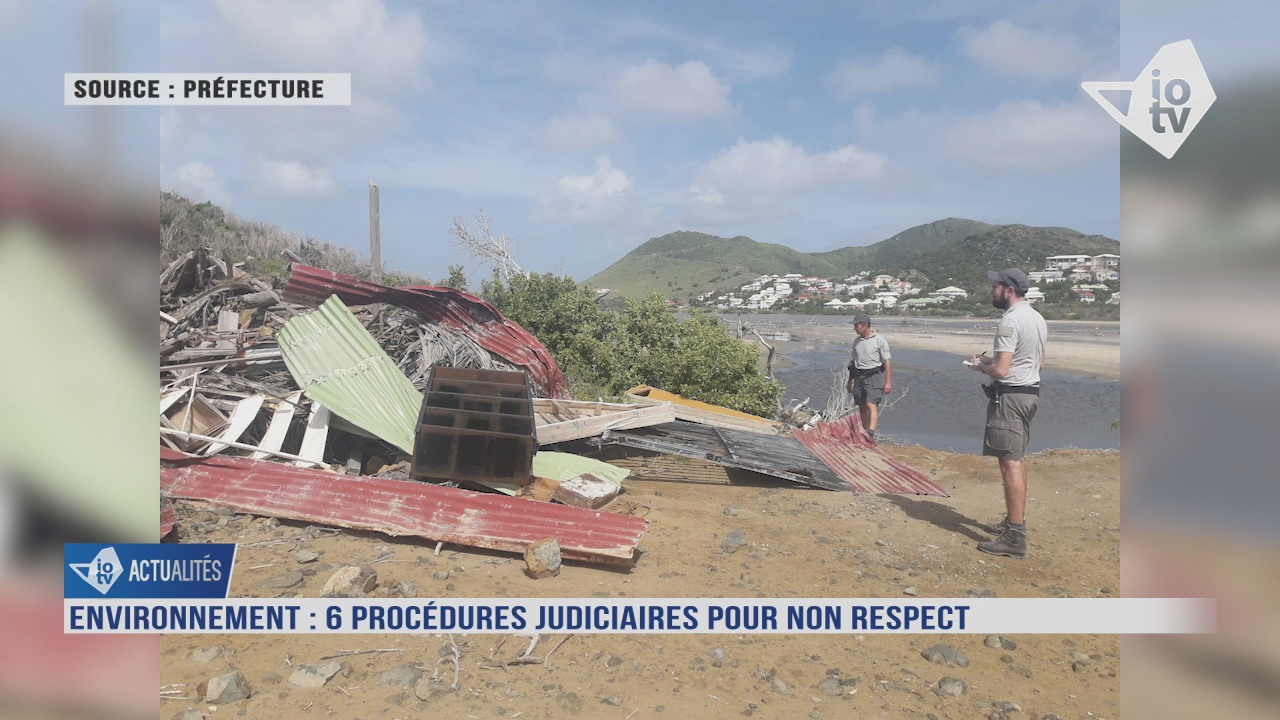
(424, 411)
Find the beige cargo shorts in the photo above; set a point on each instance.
(1009, 425)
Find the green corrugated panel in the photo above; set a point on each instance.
(338, 364)
(565, 466)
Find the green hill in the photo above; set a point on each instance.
(906, 245)
(965, 263)
(682, 265)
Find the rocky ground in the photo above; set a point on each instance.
(798, 543)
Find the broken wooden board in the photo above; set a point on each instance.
(273, 438)
(706, 413)
(317, 434)
(565, 420)
(242, 416)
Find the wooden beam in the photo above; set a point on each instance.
(273, 438)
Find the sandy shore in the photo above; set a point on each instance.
(800, 543)
(1077, 351)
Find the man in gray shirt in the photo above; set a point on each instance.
(870, 372)
(1014, 393)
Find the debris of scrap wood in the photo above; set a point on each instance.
(326, 399)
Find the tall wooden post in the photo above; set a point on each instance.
(375, 233)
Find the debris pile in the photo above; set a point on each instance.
(420, 411)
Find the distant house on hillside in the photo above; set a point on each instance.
(1034, 295)
(923, 302)
(1081, 273)
(951, 291)
(1046, 276)
(881, 280)
(1115, 299)
(1086, 296)
(1066, 262)
(1105, 261)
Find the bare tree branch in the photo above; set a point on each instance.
(482, 245)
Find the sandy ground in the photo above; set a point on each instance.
(800, 543)
(1080, 352)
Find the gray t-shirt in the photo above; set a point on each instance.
(869, 352)
(1022, 332)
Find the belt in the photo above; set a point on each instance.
(857, 372)
(1018, 389)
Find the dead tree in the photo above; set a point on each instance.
(482, 245)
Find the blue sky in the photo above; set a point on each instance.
(584, 129)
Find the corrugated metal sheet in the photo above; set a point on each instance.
(850, 452)
(338, 364)
(460, 311)
(781, 457)
(567, 466)
(399, 507)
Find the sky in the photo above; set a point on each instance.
(584, 129)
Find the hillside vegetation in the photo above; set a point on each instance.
(682, 265)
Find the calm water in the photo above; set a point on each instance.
(943, 407)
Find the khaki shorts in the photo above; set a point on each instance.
(1009, 425)
(869, 390)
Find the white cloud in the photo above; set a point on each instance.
(1019, 52)
(580, 132)
(601, 197)
(896, 69)
(383, 52)
(294, 180)
(657, 90)
(1029, 135)
(200, 183)
(756, 179)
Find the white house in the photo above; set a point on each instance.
(950, 291)
(1034, 295)
(1105, 261)
(1081, 274)
(1086, 296)
(1045, 276)
(1066, 262)
(1106, 275)
(883, 280)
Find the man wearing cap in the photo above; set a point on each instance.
(870, 372)
(1014, 394)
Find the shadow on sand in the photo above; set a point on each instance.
(940, 515)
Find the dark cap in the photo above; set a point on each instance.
(1012, 277)
(861, 319)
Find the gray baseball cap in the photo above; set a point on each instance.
(1012, 277)
(860, 318)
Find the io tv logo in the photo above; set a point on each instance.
(1165, 103)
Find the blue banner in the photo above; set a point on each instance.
(152, 570)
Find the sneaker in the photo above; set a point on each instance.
(1011, 543)
(997, 528)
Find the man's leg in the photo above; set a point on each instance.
(1014, 474)
(864, 412)
(872, 417)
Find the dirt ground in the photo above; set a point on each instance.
(800, 543)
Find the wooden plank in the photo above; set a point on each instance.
(593, 426)
(228, 322)
(242, 417)
(716, 419)
(273, 438)
(167, 400)
(317, 435)
(298, 459)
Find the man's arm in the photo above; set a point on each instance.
(888, 376)
(997, 368)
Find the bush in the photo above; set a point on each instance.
(605, 352)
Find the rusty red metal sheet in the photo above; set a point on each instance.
(168, 517)
(399, 507)
(455, 309)
(849, 451)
